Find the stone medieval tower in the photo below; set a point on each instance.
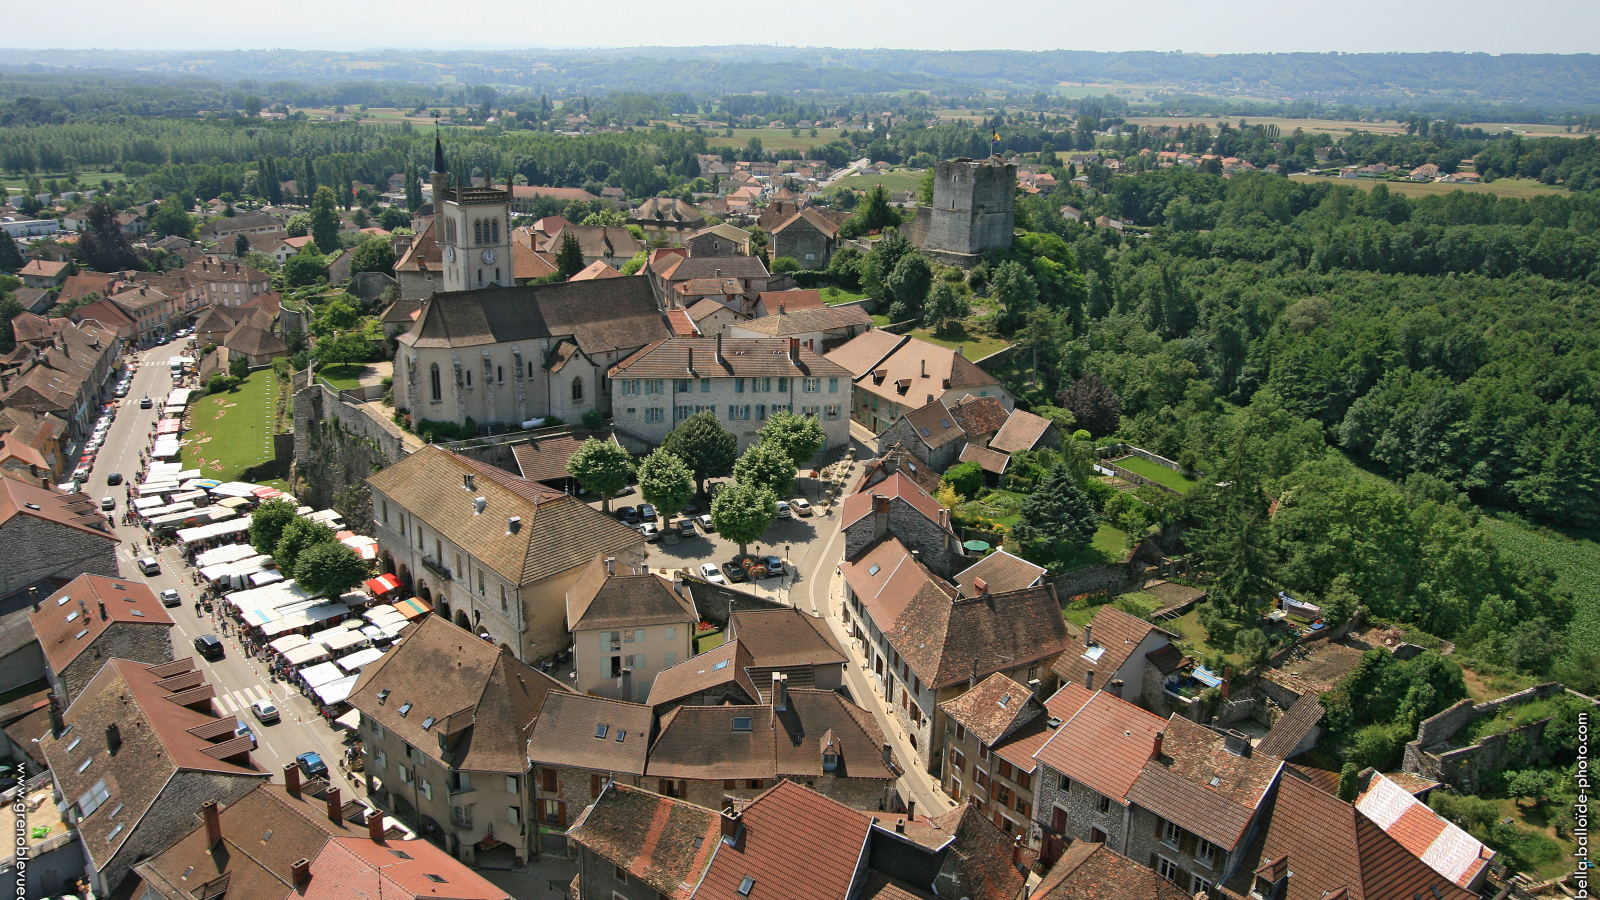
(974, 210)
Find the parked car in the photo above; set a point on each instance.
(144, 403)
(711, 573)
(81, 473)
(734, 572)
(311, 764)
(774, 565)
(624, 491)
(149, 565)
(170, 598)
(629, 515)
(647, 512)
(784, 512)
(107, 504)
(264, 711)
(115, 478)
(208, 646)
(704, 521)
(685, 528)
(241, 728)
(690, 508)
(651, 532)
(800, 507)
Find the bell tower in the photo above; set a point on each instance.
(473, 229)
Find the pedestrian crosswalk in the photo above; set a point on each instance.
(239, 701)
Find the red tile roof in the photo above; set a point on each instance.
(987, 460)
(1020, 746)
(1000, 572)
(1117, 634)
(1021, 431)
(1104, 746)
(74, 617)
(1093, 871)
(663, 842)
(858, 506)
(682, 325)
(795, 844)
(1199, 784)
(1436, 841)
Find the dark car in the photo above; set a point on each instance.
(145, 403)
(628, 515)
(690, 509)
(311, 764)
(209, 646)
(734, 572)
(114, 478)
(647, 512)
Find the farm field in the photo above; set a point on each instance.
(1505, 187)
(771, 138)
(1577, 567)
(897, 180)
(87, 180)
(1326, 126)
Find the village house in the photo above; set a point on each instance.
(609, 244)
(894, 374)
(490, 551)
(818, 330)
(719, 241)
(927, 645)
(999, 572)
(228, 284)
(30, 445)
(43, 273)
(899, 506)
(808, 237)
(671, 380)
(937, 434)
(626, 626)
(667, 271)
(578, 745)
(224, 230)
(279, 842)
(666, 221)
(446, 743)
(139, 750)
(94, 619)
(1123, 654)
(62, 368)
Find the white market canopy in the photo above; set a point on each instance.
(144, 503)
(224, 554)
(337, 691)
(264, 577)
(307, 652)
(321, 674)
(215, 529)
(342, 639)
(234, 489)
(355, 661)
(289, 642)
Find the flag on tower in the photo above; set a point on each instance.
(994, 144)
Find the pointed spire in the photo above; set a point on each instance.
(438, 151)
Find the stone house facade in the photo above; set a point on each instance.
(742, 381)
(898, 506)
(43, 538)
(808, 237)
(578, 745)
(627, 625)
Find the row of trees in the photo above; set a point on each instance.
(309, 551)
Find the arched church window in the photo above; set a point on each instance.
(477, 231)
(433, 378)
(577, 389)
(494, 228)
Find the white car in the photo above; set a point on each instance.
(800, 507)
(784, 512)
(712, 574)
(705, 524)
(264, 711)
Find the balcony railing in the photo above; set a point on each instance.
(436, 567)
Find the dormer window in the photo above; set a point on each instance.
(405, 709)
(741, 723)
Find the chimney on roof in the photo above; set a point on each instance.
(335, 808)
(720, 360)
(783, 309)
(467, 483)
(958, 351)
(972, 680)
(1088, 637)
(1088, 680)
(981, 586)
(924, 368)
(780, 691)
(911, 809)
(1036, 689)
(719, 273)
(291, 779)
(1155, 749)
(1227, 681)
(899, 826)
(731, 826)
(627, 683)
(513, 525)
(880, 515)
(375, 824)
(1236, 742)
(611, 565)
(301, 870)
(1115, 686)
(103, 615)
(794, 350)
(213, 818)
(691, 360)
(113, 738)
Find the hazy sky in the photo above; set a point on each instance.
(1213, 26)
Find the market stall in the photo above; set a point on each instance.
(355, 661)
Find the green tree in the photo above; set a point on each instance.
(601, 467)
(1017, 293)
(267, 524)
(329, 569)
(767, 466)
(665, 481)
(393, 217)
(170, 219)
(374, 255)
(299, 536)
(569, 260)
(239, 367)
(742, 512)
(965, 478)
(1056, 518)
(299, 225)
(785, 264)
(325, 218)
(350, 347)
(241, 245)
(605, 217)
(708, 448)
(908, 284)
(799, 437)
(876, 214)
(945, 302)
(102, 246)
(305, 268)
(1349, 783)
(10, 257)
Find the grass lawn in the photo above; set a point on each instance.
(232, 431)
(881, 321)
(896, 180)
(836, 295)
(1505, 187)
(1159, 474)
(87, 181)
(1198, 641)
(1109, 546)
(706, 642)
(975, 345)
(342, 378)
(1537, 817)
(997, 505)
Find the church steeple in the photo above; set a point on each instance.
(438, 151)
(440, 175)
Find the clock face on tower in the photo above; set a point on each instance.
(488, 257)
(452, 254)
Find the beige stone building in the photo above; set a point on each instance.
(493, 552)
(895, 374)
(626, 625)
